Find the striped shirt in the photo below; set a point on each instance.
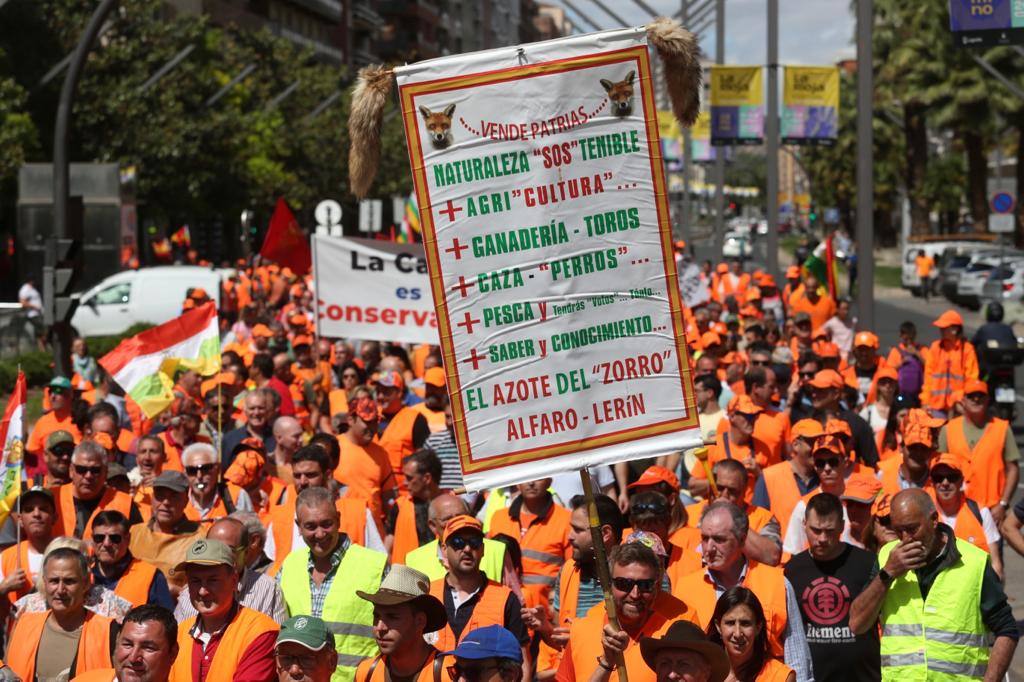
(444, 446)
(256, 591)
(318, 593)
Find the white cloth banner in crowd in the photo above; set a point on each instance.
(539, 178)
(368, 289)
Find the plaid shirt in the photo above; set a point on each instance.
(318, 593)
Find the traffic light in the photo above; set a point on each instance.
(64, 265)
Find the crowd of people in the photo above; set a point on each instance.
(301, 515)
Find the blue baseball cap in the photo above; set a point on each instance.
(492, 641)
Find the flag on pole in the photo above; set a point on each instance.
(144, 365)
(411, 221)
(831, 281)
(182, 237)
(162, 248)
(285, 242)
(12, 438)
(822, 264)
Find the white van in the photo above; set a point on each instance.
(937, 248)
(150, 295)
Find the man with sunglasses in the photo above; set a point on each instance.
(770, 425)
(826, 389)
(969, 520)
(470, 599)
(918, 450)
(137, 581)
(781, 485)
(57, 419)
(59, 446)
(488, 654)
(88, 494)
(833, 467)
(736, 442)
(210, 498)
(987, 444)
(643, 610)
(723, 531)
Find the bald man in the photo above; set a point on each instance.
(288, 440)
(956, 597)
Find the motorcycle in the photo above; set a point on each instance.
(1002, 361)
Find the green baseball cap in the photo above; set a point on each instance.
(61, 382)
(306, 631)
(58, 437)
(204, 552)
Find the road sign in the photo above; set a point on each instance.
(1002, 202)
(1001, 223)
(328, 217)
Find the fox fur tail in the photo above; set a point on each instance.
(370, 96)
(678, 49)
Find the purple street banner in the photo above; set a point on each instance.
(810, 105)
(737, 105)
(984, 23)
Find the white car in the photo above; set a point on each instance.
(148, 295)
(971, 285)
(737, 245)
(1004, 282)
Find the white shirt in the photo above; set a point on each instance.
(28, 293)
(35, 564)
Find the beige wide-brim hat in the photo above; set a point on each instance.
(404, 585)
(685, 635)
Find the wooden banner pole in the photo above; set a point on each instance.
(604, 575)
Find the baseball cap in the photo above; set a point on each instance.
(865, 339)
(916, 433)
(207, 552)
(680, 244)
(830, 443)
(792, 272)
(115, 469)
(435, 377)
(710, 339)
(302, 340)
(838, 426)
(60, 382)
(827, 378)
(950, 460)
(881, 505)
(807, 428)
(722, 268)
(950, 318)
(825, 349)
(742, 404)
(58, 437)
(172, 480)
(219, 379)
(862, 488)
(36, 490)
(886, 372)
(262, 330)
(648, 540)
(492, 641)
(404, 585)
(653, 475)
(461, 522)
(800, 318)
(365, 408)
(306, 631)
(391, 379)
(975, 386)
(246, 467)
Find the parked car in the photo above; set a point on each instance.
(738, 245)
(148, 295)
(970, 286)
(940, 250)
(1004, 282)
(955, 261)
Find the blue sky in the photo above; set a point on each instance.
(810, 31)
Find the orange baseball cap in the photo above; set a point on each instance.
(391, 379)
(887, 372)
(302, 340)
(262, 330)
(723, 268)
(365, 408)
(865, 339)
(199, 294)
(917, 433)
(103, 438)
(827, 378)
(766, 280)
(742, 404)
(435, 377)
(219, 379)
(830, 443)
(461, 522)
(245, 469)
(807, 428)
(793, 272)
(838, 426)
(653, 475)
(975, 386)
(863, 488)
(950, 318)
(881, 505)
(680, 245)
(710, 339)
(825, 349)
(950, 460)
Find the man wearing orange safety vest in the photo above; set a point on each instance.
(406, 524)
(542, 529)
(948, 365)
(225, 640)
(57, 419)
(723, 533)
(435, 398)
(311, 468)
(969, 520)
(812, 298)
(66, 637)
(402, 429)
(364, 468)
(987, 444)
(924, 264)
(470, 599)
(88, 494)
(137, 581)
(738, 442)
(21, 563)
(183, 430)
(771, 427)
(918, 449)
(782, 485)
(210, 498)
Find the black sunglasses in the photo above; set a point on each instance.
(100, 538)
(885, 520)
(831, 462)
(952, 477)
(62, 451)
(460, 542)
(755, 363)
(82, 470)
(58, 391)
(473, 674)
(626, 585)
(200, 469)
(807, 375)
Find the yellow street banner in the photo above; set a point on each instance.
(737, 105)
(810, 105)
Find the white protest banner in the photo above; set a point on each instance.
(693, 288)
(368, 289)
(546, 228)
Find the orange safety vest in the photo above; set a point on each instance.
(435, 420)
(890, 470)
(986, 475)
(545, 545)
(968, 522)
(244, 628)
(282, 523)
(112, 500)
(93, 645)
(489, 610)
(757, 517)
(773, 670)
(783, 492)
(366, 471)
(724, 448)
(337, 401)
(135, 583)
(945, 372)
(406, 537)
(97, 675)
(374, 669)
(220, 509)
(397, 441)
(9, 561)
(274, 488)
(767, 582)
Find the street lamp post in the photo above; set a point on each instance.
(772, 138)
(865, 167)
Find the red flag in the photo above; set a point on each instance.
(285, 242)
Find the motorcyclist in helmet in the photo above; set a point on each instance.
(994, 332)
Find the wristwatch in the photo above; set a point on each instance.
(1004, 504)
(884, 576)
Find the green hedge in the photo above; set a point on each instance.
(38, 365)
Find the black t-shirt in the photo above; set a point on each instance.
(825, 591)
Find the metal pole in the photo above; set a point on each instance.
(684, 218)
(865, 167)
(647, 8)
(165, 69)
(720, 151)
(62, 337)
(249, 68)
(581, 15)
(697, 9)
(613, 15)
(772, 139)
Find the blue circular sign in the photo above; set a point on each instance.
(1002, 202)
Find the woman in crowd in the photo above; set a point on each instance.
(739, 625)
